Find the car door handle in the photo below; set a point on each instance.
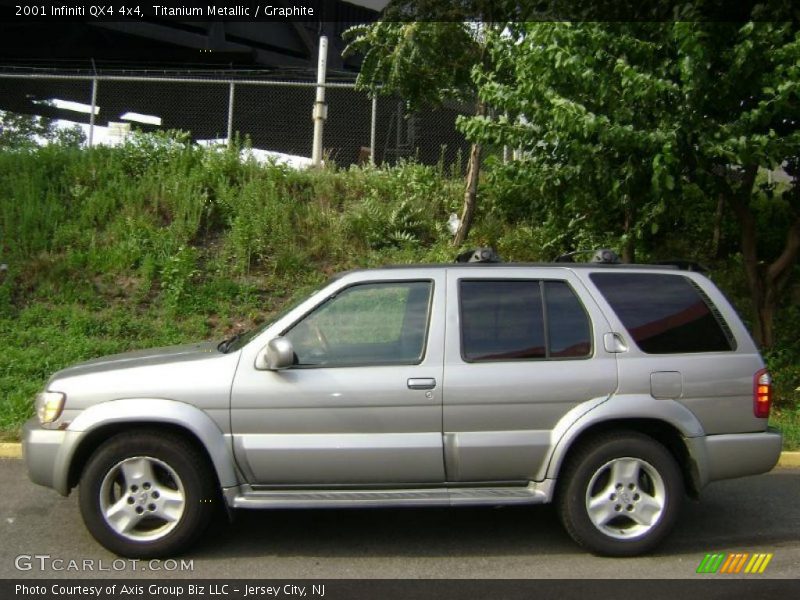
(421, 383)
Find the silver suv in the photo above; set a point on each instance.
(611, 390)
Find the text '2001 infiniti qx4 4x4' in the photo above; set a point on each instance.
(610, 390)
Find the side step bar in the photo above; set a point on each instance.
(533, 493)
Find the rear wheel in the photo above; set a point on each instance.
(620, 495)
(147, 494)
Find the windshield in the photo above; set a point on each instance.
(239, 341)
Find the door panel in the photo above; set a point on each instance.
(343, 417)
(521, 375)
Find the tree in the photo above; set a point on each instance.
(425, 63)
(625, 121)
(20, 132)
(745, 78)
(576, 98)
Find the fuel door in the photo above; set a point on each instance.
(666, 385)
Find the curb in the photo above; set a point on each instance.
(12, 450)
(789, 459)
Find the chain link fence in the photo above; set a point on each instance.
(276, 116)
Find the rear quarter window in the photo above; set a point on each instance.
(665, 314)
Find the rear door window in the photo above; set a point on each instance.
(665, 314)
(570, 335)
(521, 320)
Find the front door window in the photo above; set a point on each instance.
(368, 324)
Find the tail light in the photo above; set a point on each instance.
(762, 393)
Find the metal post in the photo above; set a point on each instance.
(320, 108)
(94, 108)
(231, 89)
(372, 130)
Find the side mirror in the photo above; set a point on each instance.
(278, 355)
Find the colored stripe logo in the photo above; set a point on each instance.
(737, 562)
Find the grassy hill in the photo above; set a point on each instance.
(159, 242)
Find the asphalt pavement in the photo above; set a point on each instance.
(42, 536)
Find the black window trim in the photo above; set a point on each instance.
(338, 292)
(545, 322)
(712, 308)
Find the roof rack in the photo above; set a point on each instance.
(479, 255)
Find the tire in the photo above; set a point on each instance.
(620, 494)
(147, 494)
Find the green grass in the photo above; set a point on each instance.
(45, 337)
(788, 421)
(162, 242)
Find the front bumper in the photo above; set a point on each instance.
(734, 455)
(42, 449)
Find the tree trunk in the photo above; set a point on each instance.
(777, 277)
(470, 195)
(629, 248)
(766, 282)
(471, 188)
(716, 239)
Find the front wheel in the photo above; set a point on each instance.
(621, 494)
(146, 494)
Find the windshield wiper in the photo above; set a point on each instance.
(226, 344)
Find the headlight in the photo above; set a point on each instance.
(49, 406)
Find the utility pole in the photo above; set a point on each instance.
(320, 108)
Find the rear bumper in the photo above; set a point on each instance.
(40, 449)
(734, 455)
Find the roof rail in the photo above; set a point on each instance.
(684, 265)
(609, 257)
(603, 256)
